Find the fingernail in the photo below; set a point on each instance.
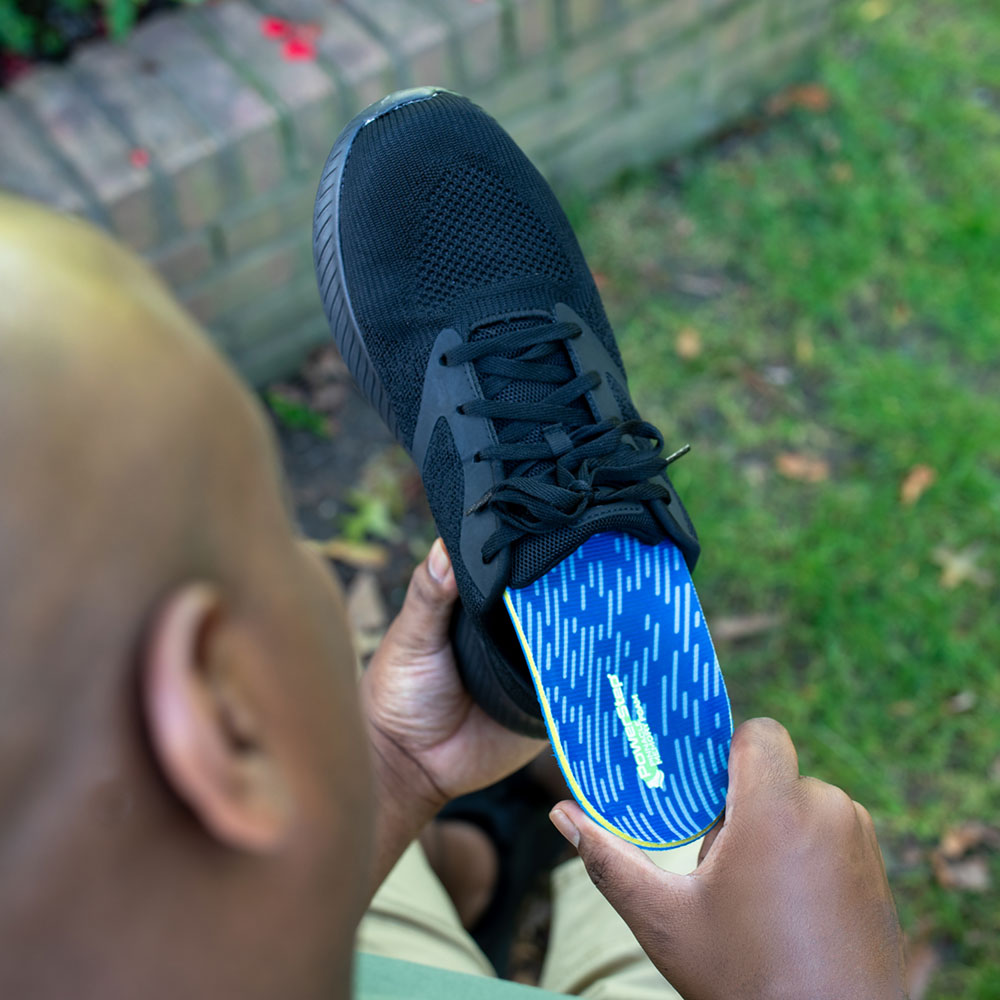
(438, 563)
(565, 826)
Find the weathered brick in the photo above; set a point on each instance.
(717, 6)
(733, 46)
(741, 29)
(244, 123)
(27, 169)
(415, 36)
(662, 24)
(793, 47)
(584, 60)
(581, 16)
(243, 280)
(534, 26)
(301, 90)
(526, 87)
(786, 14)
(155, 119)
(254, 225)
(476, 32)
(98, 151)
(678, 67)
(185, 260)
(361, 61)
(551, 123)
(663, 27)
(638, 136)
(269, 316)
(280, 356)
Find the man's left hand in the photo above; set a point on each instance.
(431, 741)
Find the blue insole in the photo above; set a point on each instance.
(630, 688)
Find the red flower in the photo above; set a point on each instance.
(274, 27)
(298, 49)
(139, 157)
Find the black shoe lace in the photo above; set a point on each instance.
(575, 464)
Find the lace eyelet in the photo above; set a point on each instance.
(458, 409)
(443, 360)
(477, 457)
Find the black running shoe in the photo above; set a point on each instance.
(459, 298)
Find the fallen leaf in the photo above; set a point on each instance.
(759, 383)
(805, 468)
(600, 279)
(923, 960)
(325, 365)
(365, 608)
(916, 483)
(737, 627)
(684, 227)
(805, 350)
(703, 286)
(329, 399)
(964, 701)
(969, 875)
(872, 10)
(807, 96)
(359, 555)
(688, 343)
(900, 314)
(841, 172)
(954, 864)
(959, 566)
(957, 841)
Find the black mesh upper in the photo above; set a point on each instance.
(399, 238)
(476, 233)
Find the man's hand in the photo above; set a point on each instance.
(789, 900)
(431, 742)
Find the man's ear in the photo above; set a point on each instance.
(206, 731)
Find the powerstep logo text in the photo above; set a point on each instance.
(640, 739)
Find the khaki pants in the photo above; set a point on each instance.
(591, 951)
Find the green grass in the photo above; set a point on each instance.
(842, 270)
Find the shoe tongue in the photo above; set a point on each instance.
(534, 555)
(520, 391)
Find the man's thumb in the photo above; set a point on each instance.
(422, 625)
(628, 879)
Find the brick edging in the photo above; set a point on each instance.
(199, 144)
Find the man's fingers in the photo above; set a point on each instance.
(631, 883)
(422, 626)
(762, 758)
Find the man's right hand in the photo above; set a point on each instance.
(789, 901)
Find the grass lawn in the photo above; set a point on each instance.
(821, 295)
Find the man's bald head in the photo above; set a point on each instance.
(119, 430)
(175, 677)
